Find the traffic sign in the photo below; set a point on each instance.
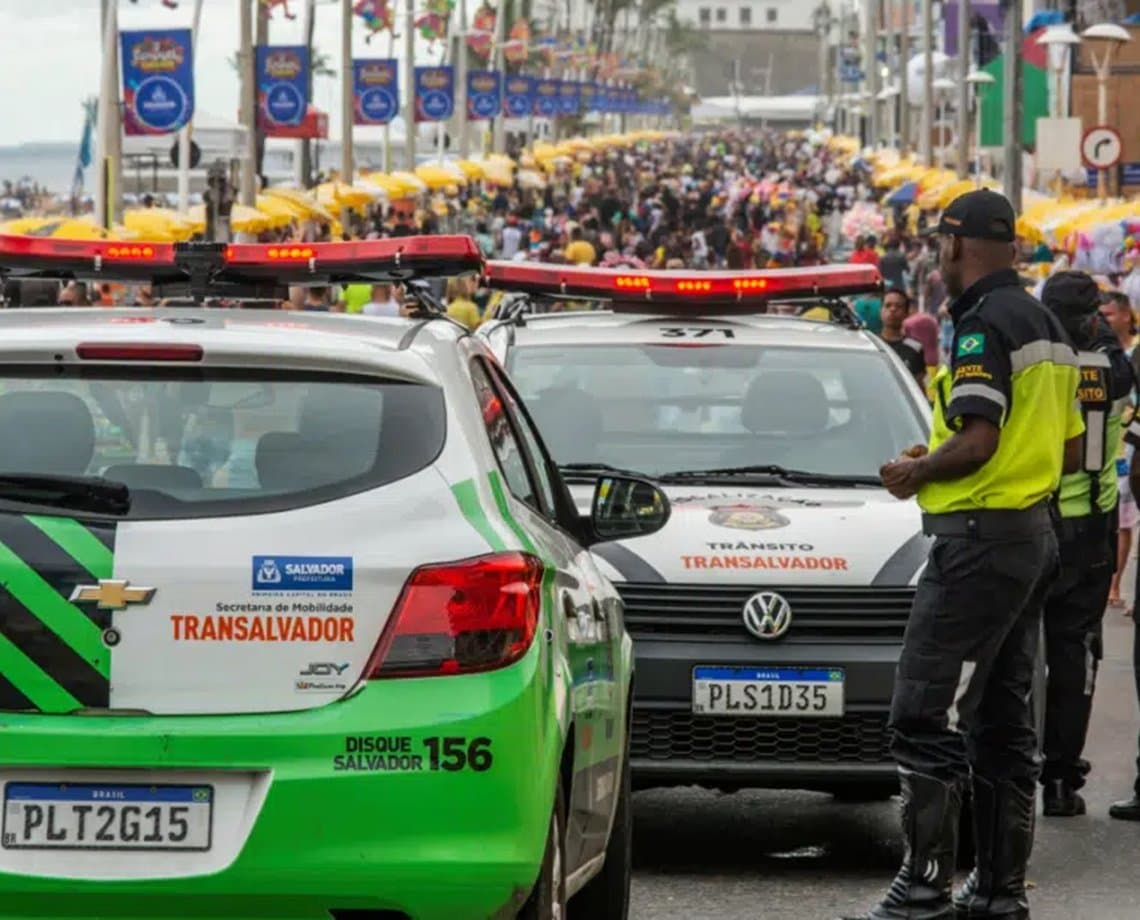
(1101, 147)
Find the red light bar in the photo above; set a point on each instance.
(696, 289)
(41, 247)
(137, 351)
(404, 252)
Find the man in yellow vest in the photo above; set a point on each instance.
(1086, 533)
(1006, 425)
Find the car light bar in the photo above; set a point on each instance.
(699, 291)
(238, 270)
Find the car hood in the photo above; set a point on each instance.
(837, 537)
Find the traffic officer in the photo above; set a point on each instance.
(1086, 534)
(1129, 809)
(1005, 426)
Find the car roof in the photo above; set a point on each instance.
(606, 327)
(298, 339)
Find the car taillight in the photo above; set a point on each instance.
(459, 617)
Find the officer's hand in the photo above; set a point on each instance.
(919, 450)
(902, 478)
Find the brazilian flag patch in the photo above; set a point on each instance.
(973, 343)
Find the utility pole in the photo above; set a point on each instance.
(499, 124)
(461, 81)
(347, 109)
(303, 150)
(963, 89)
(109, 187)
(1012, 104)
(248, 195)
(925, 142)
(410, 82)
(904, 79)
(870, 44)
(184, 134)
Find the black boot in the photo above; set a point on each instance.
(921, 890)
(1003, 832)
(1128, 810)
(1061, 800)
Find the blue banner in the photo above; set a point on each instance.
(158, 81)
(484, 94)
(546, 98)
(435, 93)
(569, 97)
(282, 85)
(589, 96)
(375, 91)
(518, 97)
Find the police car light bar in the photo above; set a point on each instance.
(699, 290)
(250, 270)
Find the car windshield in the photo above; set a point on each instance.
(212, 442)
(664, 408)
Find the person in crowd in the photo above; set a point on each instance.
(461, 305)
(579, 251)
(894, 267)
(894, 313)
(383, 301)
(1117, 312)
(1086, 536)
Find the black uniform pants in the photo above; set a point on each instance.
(1074, 614)
(962, 697)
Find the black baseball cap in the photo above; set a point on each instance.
(979, 215)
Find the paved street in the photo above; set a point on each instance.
(795, 856)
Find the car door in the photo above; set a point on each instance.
(594, 632)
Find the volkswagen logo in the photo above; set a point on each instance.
(767, 615)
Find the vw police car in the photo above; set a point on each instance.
(768, 615)
(295, 618)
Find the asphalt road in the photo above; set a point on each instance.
(793, 856)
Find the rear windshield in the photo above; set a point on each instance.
(199, 444)
(699, 405)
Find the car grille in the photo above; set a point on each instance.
(681, 735)
(716, 611)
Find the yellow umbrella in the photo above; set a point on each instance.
(69, 228)
(243, 219)
(22, 225)
(158, 225)
(956, 189)
(472, 170)
(413, 183)
(342, 195)
(303, 204)
(436, 177)
(393, 188)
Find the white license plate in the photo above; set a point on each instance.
(87, 816)
(802, 692)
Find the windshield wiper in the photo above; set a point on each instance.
(79, 493)
(800, 477)
(593, 470)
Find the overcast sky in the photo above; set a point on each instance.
(50, 59)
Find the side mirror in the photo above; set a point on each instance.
(625, 507)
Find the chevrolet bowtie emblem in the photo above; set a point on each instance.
(112, 594)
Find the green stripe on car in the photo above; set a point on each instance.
(78, 542)
(27, 677)
(467, 496)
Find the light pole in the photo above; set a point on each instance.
(1110, 36)
(942, 87)
(822, 20)
(1058, 40)
(889, 95)
(963, 89)
(978, 78)
(926, 145)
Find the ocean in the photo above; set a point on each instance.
(50, 164)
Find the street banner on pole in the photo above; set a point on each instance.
(375, 90)
(484, 94)
(158, 81)
(282, 85)
(546, 98)
(518, 96)
(435, 93)
(569, 97)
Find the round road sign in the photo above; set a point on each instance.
(1101, 147)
